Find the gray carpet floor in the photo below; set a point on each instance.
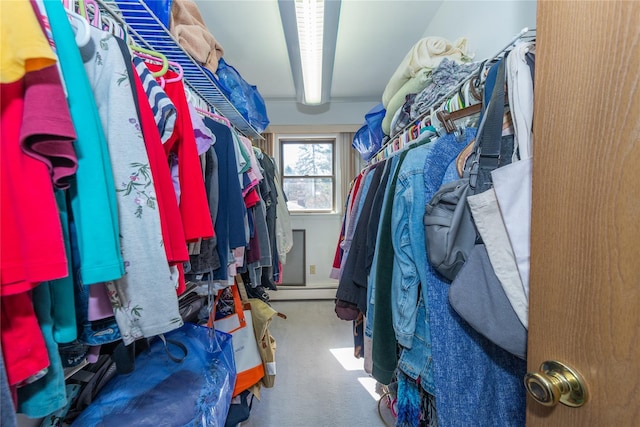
(313, 388)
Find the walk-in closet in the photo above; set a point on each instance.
(334, 213)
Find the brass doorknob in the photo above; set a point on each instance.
(556, 382)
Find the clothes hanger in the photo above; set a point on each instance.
(83, 33)
(189, 96)
(213, 116)
(447, 119)
(414, 132)
(173, 64)
(178, 67)
(111, 26)
(153, 55)
(82, 10)
(96, 12)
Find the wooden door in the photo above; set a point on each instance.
(585, 259)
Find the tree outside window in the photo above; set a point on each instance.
(308, 175)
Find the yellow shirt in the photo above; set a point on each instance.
(23, 46)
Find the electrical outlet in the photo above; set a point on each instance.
(312, 269)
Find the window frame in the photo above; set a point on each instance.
(311, 140)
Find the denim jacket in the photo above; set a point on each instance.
(409, 268)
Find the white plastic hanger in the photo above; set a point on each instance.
(83, 34)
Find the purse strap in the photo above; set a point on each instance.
(242, 289)
(489, 140)
(176, 343)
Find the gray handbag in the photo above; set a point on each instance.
(449, 228)
(450, 233)
(478, 297)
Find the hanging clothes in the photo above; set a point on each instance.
(344, 240)
(93, 195)
(372, 243)
(41, 151)
(271, 271)
(348, 290)
(32, 222)
(458, 351)
(284, 234)
(194, 210)
(208, 259)
(144, 300)
(415, 335)
(47, 394)
(173, 237)
(164, 112)
(231, 209)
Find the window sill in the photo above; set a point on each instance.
(315, 213)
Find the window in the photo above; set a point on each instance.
(308, 174)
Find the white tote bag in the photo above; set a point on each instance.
(249, 368)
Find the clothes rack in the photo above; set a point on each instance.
(145, 29)
(401, 140)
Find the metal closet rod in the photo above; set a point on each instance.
(522, 34)
(132, 32)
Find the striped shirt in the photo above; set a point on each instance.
(164, 111)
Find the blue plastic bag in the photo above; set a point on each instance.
(373, 119)
(243, 96)
(161, 9)
(161, 392)
(368, 139)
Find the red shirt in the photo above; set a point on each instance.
(23, 348)
(31, 244)
(194, 207)
(252, 198)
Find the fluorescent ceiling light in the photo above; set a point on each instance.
(310, 23)
(311, 31)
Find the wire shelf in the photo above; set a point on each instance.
(145, 28)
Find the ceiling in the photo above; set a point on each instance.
(373, 37)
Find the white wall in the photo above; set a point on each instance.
(487, 25)
(322, 232)
(332, 113)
